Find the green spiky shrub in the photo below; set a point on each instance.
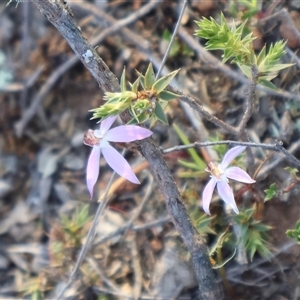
(146, 99)
(237, 48)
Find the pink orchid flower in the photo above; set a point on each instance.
(99, 139)
(219, 177)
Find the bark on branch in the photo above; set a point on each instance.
(60, 15)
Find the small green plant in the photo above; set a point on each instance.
(239, 50)
(34, 288)
(68, 235)
(294, 233)
(236, 47)
(74, 225)
(202, 222)
(271, 192)
(148, 103)
(292, 171)
(253, 235)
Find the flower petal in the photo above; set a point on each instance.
(119, 164)
(231, 155)
(106, 124)
(238, 174)
(93, 169)
(226, 194)
(207, 194)
(127, 133)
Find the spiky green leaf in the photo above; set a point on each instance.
(163, 82)
(149, 77)
(267, 84)
(167, 96)
(159, 113)
(135, 85)
(246, 70)
(123, 81)
(142, 79)
(261, 56)
(271, 192)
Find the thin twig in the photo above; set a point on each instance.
(262, 164)
(287, 153)
(248, 112)
(277, 147)
(29, 82)
(227, 142)
(172, 39)
(25, 32)
(95, 265)
(292, 149)
(136, 266)
(89, 238)
(204, 113)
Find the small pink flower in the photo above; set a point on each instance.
(219, 177)
(99, 140)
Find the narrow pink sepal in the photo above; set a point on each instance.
(127, 133)
(207, 194)
(106, 124)
(231, 155)
(119, 164)
(93, 169)
(238, 174)
(226, 194)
